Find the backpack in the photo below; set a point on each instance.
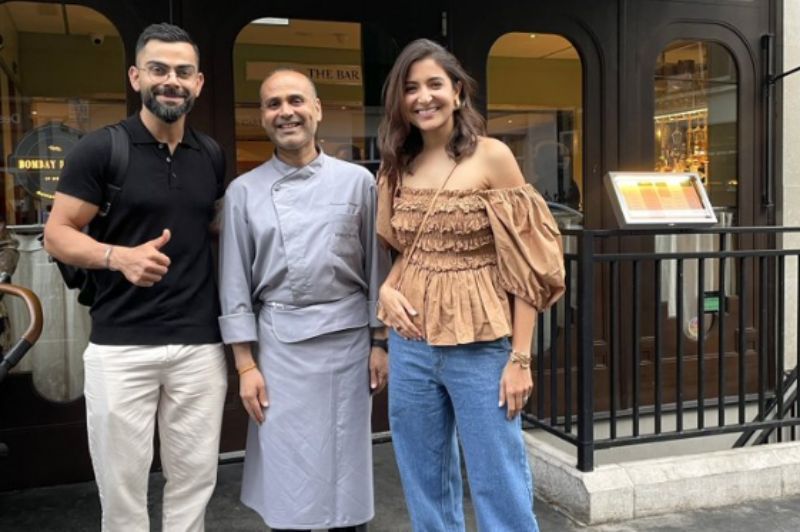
(81, 279)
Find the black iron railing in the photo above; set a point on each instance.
(669, 334)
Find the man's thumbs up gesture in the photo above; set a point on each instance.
(143, 265)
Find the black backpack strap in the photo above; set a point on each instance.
(215, 152)
(118, 165)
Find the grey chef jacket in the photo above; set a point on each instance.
(303, 242)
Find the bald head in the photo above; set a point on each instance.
(288, 73)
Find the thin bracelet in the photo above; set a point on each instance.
(247, 368)
(109, 249)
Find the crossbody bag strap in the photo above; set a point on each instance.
(422, 226)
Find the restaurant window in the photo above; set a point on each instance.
(695, 122)
(330, 54)
(61, 75)
(534, 92)
(695, 130)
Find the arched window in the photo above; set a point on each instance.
(695, 129)
(534, 88)
(61, 75)
(50, 74)
(695, 122)
(330, 54)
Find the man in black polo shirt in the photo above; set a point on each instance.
(155, 347)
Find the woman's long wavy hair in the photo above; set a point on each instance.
(398, 140)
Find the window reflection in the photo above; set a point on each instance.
(695, 131)
(696, 118)
(535, 106)
(545, 146)
(49, 75)
(328, 52)
(51, 93)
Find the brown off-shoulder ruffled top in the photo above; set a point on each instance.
(477, 247)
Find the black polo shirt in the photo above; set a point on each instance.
(161, 191)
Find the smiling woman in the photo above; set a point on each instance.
(430, 98)
(472, 242)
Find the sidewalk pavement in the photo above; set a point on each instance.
(75, 507)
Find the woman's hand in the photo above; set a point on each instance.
(253, 392)
(378, 369)
(516, 385)
(398, 312)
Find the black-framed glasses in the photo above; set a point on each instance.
(160, 71)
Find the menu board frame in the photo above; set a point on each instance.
(690, 207)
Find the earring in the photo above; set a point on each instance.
(457, 104)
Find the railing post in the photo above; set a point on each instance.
(585, 351)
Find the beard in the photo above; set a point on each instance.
(167, 113)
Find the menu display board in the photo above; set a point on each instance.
(649, 199)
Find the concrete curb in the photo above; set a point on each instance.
(629, 490)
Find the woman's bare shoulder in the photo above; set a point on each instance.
(502, 169)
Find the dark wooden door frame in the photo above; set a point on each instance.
(739, 31)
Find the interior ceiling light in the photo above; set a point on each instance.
(271, 21)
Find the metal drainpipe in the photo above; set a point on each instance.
(768, 52)
(767, 196)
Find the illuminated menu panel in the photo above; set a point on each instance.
(652, 198)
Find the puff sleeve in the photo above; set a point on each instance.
(530, 257)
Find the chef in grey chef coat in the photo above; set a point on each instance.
(300, 272)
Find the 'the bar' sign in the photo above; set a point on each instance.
(321, 74)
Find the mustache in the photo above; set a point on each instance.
(171, 92)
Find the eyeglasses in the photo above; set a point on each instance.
(160, 71)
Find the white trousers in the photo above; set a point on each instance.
(126, 387)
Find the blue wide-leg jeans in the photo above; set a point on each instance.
(438, 396)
